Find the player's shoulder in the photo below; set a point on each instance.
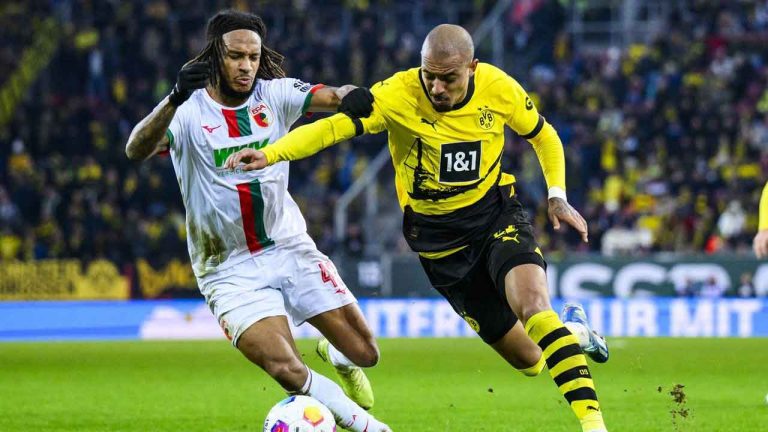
(402, 80)
(487, 75)
(196, 99)
(280, 85)
(498, 86)
(192, 106)
(400, 86)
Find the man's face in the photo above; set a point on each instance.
(242, 55)
(446, 79)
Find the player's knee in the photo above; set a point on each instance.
(367, 356)
(533, 307)
(535, 369)
(371, 356)
(290, 374)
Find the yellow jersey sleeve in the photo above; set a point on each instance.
(526, 121)
(763, 215)
(549, 151)
(309, 139)
(523, 117)
(387, 97)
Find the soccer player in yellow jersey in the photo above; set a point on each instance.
(760, 244)
(446, 135)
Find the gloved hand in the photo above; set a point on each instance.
(191, 77)
(357, 103)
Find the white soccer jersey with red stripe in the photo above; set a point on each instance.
(234, 214)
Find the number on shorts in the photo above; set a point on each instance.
(328, 275)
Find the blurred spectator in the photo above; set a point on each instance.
(746, 287)
(660, 139)
(732, 221)
(622, 241)
(687, 288)
(711, 288)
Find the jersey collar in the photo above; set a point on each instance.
(470, 92)
(213, 102)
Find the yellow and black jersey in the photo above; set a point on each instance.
(448, 160)
(447, 164)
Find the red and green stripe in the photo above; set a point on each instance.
(252, 210)
(238, 121)
(308, 99)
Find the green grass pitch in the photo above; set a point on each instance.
(421, 385)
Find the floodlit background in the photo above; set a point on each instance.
(662, 107)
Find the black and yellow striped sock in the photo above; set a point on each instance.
(534, 370)
(566, 363)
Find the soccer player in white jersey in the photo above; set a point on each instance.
(247, 240)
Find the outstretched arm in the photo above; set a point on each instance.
(526, 121)
(549, 150)
(301, 142)
(328, 99)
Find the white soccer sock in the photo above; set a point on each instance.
(581, 332)
(347, 413)
(338, 359)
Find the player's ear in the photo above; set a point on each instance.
(473, 66)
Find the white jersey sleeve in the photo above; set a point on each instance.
(292, 98)
(179, 129)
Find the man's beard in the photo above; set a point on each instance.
(228, 92)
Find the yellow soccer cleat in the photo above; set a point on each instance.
(352, 379)
(593, 422)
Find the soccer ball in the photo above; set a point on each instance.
(299, 414)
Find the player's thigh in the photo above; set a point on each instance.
(344, 322)
(516, 264)
(267, 341)
(241, 296)
(517, 348)
(269, 344)
(476, 300)
(526, 290)
(314, 285)
(348, 331)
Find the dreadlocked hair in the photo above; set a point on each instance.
(270, 65)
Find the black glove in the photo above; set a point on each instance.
(191, 77)
(357, 103)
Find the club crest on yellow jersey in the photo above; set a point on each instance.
(485, 118)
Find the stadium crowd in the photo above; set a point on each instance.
(666, 143)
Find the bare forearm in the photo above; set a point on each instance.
(328, 99)
(149, 134)
(343, 90)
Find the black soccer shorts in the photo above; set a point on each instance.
(472, 279)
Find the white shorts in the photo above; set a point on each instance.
(292, 279)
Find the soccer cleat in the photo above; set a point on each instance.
(597, 348)
(352, 379)
(593, 422)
